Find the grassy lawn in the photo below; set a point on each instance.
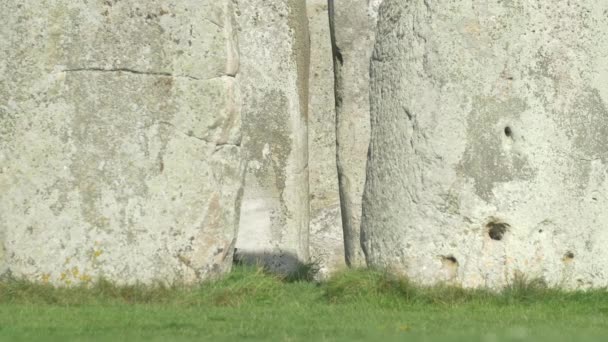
(252, 305)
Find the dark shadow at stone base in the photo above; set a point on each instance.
(284, 264)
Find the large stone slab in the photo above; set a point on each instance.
(119, 140)
(353, 28)
(273, 80)
(326, 237)
(488, 155)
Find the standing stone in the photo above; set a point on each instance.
(273, 78)
(353, 28)
(119, 140)
(326, 237)
(488, 156)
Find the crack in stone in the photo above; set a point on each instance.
(427, 5)
(212, 22)
(304, 168)
(218, 145)
(574, 156)
(145, 73)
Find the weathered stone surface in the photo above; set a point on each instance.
(488, 154)
(273, 78)
(119, 140)
(326, 237)
(354, 25)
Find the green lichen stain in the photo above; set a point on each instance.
(301, 49)
(485, 160)
(586, 124)
(8, 122)
(270, 116)
(110, 108)
(273, 105)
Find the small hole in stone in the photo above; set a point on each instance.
(568, 257)
(497, 230)
(508, 131)
(449, 259)
(450, 266)
(540, 230)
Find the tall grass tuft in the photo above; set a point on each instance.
(526, 290)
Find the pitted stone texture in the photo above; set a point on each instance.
(326, 237)
(354, 26)
(488, 155)
(273, 78)
(119, 142)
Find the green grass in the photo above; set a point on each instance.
(250, 304)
